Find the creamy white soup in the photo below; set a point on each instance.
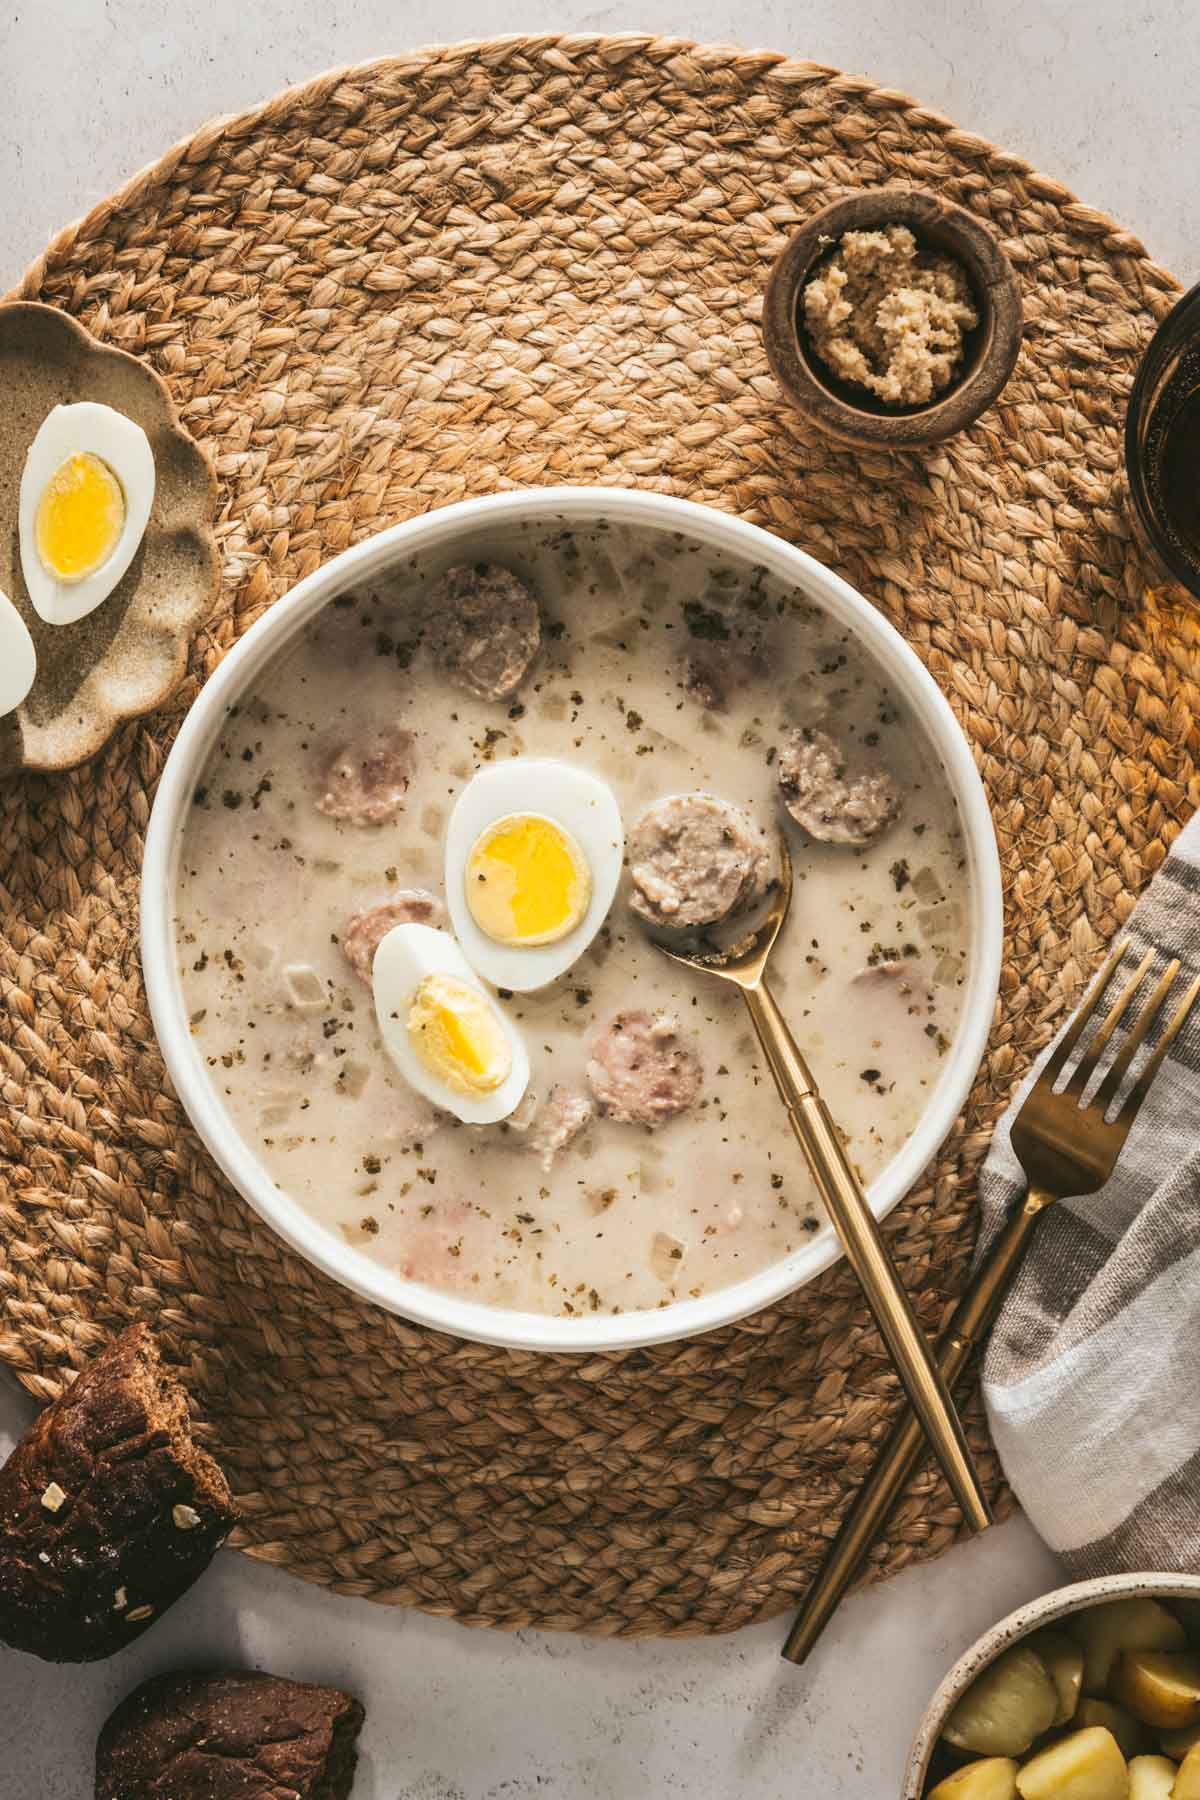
(663, 671)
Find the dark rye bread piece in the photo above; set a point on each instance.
(226, 1735)
(108, 1510)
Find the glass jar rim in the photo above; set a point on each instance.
(1155, 360)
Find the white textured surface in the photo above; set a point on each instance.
(1101, 96)
(454, 1714)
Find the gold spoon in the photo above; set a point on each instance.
(856, 1225)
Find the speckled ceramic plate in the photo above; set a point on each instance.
(127, 656)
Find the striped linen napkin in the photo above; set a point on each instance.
(1092, 1374)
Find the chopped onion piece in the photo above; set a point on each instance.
(304, 988)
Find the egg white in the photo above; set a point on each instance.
(582, 805)
(18, 658)
(404, 958)
(91, 427)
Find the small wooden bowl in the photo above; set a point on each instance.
(849, 413)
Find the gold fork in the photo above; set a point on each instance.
(845, 1201)
(1064, 1148)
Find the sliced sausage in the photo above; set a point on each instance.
(830, 802)
(364, 780)
(483, 627)
(896, 980)
(557, 1123)
(438, 1248)
(695, 860)
(408, 1120)
(897, 994)
(547, 1126)
(641, 1072)
(706, 681)
(726, 636)
(364, 931)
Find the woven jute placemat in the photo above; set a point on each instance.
(537, 261)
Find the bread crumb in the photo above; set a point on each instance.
(53, 1497)
(120, 1600)
(888, 317)
(185, 1517)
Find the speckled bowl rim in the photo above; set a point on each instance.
(437, 531)
(1058, 1604)
(103, 721)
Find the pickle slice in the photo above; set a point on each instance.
(1009, 1705)
(1063, 1658)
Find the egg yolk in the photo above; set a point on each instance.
(80, 517)
(527, 881)
(458, 1036)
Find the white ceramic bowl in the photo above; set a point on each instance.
(1029, 1618)
(461, 532)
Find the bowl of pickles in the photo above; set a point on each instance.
(1090, 1693)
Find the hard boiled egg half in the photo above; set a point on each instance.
(447, 1036)
(86, 493)
(18, 659)
(533, 857)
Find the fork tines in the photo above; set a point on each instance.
(1088, 1063)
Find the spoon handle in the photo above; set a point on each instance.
(902, 1452)
(862, 1240)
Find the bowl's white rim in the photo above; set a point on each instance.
(446, 1312)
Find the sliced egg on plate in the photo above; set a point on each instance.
(533, 857)
(18, 658)
(86, 493)
(448, 1037)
